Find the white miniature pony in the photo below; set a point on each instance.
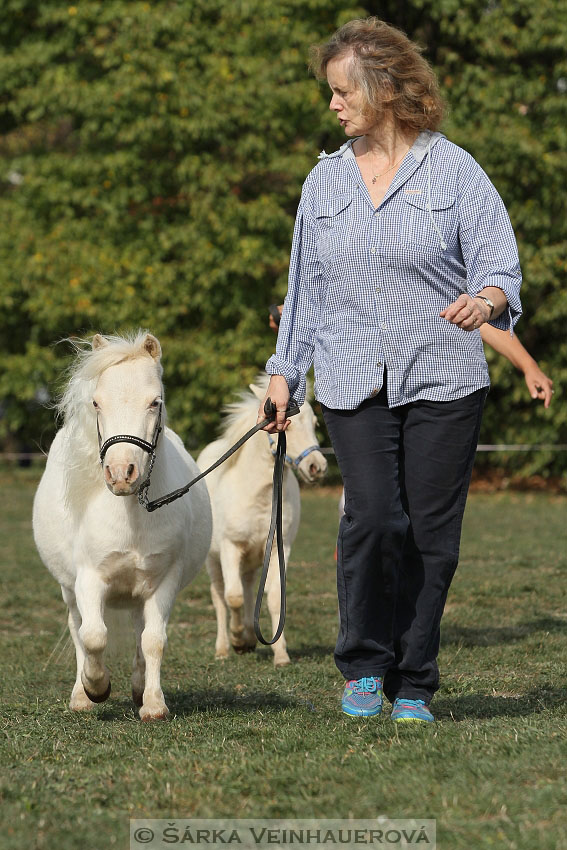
(105, 550)
(241, 499)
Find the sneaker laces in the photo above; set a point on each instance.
(367, 685)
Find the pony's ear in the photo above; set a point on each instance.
(258, 391)
(98, 341)
(152, 346)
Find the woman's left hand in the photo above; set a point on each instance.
(539, 385)
(466, 312)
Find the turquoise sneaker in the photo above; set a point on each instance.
(363, 697)
(411, 711)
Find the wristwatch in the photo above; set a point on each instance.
(488, 302)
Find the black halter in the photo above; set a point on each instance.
(150, 448)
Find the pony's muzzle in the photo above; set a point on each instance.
(122, 478)
(313, 467)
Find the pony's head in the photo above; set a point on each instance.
(302, 443)
(116, 387)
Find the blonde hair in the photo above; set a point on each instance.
(389, 71)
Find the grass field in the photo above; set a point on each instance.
(247, 741)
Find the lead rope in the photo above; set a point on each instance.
(275, 527)
(177, 494)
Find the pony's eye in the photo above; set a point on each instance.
(95, 405)
(155, 404)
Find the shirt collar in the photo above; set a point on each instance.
(344, 150)
(418, 150)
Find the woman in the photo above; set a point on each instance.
(402, 249)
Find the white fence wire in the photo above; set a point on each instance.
(328, 450)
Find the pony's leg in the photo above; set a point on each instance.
(89, 591)
(139, 664)
(217, 595)
(273, 594)
(79, 700)
(231, 557)
(153, 642)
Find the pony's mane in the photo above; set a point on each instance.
(90, 363)
(240, 416)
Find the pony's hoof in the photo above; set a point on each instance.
(80, 702)
(282, 662)
(100, 697)
(242, 650)
(138, 698)
(147, 715)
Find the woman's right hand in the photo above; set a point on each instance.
(278, 392)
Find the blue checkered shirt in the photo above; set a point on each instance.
(366, 284)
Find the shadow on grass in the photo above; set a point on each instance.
(486, 706)
(312, 651)
(206, 702)
(494, 635)
(226, 700)
(446, 708)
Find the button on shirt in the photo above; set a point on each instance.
(366, 285)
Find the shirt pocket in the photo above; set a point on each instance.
(418, 228)
(333, 217)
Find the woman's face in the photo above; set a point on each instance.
(346, 100)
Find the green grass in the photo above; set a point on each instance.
(245, 740)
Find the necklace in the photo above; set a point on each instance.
(376, 176)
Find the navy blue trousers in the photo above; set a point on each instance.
(406, 472)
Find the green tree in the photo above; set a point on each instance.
(152, 156)
(503, 66)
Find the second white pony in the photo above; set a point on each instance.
(241, 500)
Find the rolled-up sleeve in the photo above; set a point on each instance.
(489, 246)
(302, 309)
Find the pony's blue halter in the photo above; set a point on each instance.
(293, 462)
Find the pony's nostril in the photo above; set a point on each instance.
(130, 471)
(313, 469)
(108, 475)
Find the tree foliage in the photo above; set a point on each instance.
(152, 156)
